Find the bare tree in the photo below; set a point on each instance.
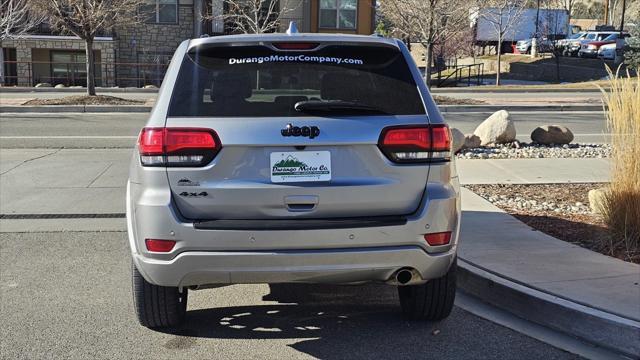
(428, 22)
(257, 16)
(503, 16)
(15, 21)
(568, 5)
(552, 27)
(86, 19)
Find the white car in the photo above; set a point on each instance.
(607, 52)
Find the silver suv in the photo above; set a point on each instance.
(292, 158)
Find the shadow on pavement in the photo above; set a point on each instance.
(354, 322)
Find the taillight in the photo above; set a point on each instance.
(177, 146)
(438, 239)
(411, 144)
(157, 245)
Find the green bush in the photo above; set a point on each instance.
(632, 50)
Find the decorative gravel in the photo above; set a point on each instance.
(518, 150)
(548, 198)
(560, 210)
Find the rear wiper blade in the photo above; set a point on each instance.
(334, 105)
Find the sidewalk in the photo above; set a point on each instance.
(607, 288)
(533, 171)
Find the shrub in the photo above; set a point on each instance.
(622, 201)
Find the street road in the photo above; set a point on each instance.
(65, 286)
(515, 97)
(119, 130)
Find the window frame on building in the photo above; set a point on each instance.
(154, 15)
(337, 10)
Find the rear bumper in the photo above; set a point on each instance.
(313, 255)
(335, 266)
(588, 53)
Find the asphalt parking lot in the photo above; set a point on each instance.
(65, 291)
(67, 295)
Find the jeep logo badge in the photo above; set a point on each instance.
(306, 131)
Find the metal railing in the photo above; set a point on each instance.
(461, 74)
(30, 73)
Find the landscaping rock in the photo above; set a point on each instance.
(597, 198)
(43, 85)
(471, 141)
(552, 134)
(60, 86)
(457, 140)
(496, 129)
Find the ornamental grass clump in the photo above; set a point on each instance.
(621, 202)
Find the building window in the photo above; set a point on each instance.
(338, 14)
(161, 11)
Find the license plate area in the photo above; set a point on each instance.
(300, 166)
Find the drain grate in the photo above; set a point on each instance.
(62, 216)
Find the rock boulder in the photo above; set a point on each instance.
(597, 198)
(552, 134)
(457, 140)
(496, 129)
(471, 141)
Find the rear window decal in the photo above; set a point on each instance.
(295, 58)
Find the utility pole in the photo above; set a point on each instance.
(606, 12)
(537, 17)
(624, 5)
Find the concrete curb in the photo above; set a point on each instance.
(507, 89)
(144, 108)
(73, 90)
(75, 109)
(473, 89)
(595, 326)
(520, 108)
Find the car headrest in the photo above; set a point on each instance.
(340, 86)
(231, 85)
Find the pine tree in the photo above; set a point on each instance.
(632, 49)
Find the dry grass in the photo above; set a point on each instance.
(622, 200)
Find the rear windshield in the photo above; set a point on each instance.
(256, 81)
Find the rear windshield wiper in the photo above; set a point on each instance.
(335, 106)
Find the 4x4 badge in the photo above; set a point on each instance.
(307, 131)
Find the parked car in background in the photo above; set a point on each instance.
(565, 43)
(590, 49)
(573, 46)
(608, 51)
(585, 50)
(543, 45)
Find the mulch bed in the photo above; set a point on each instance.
(576, 226)
(85, 100)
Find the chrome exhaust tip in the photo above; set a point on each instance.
(404, 276)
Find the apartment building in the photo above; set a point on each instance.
(138, 55)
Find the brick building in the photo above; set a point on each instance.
(138, 55)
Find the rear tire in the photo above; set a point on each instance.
(157, 306)
(432, 301)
